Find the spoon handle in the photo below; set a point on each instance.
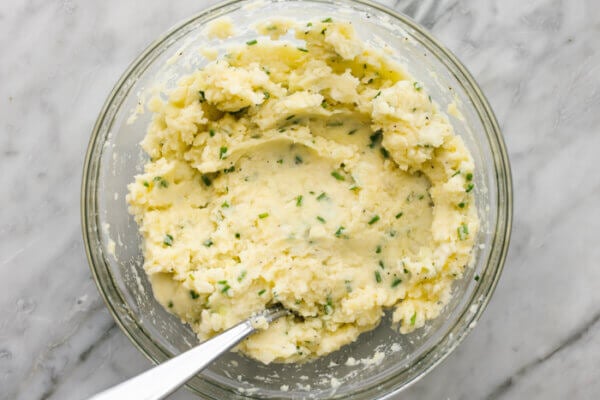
(164, 379)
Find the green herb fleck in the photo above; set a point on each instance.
(237, 235)
(378, 249)
(251, 42)
(381, 264)
(326, 20)
(377, 95)
(321, 219)
(339, 231)
(374, 219)
(263, 215)
(222, 152)
(456, 173)
(338, 176)
(476, 277)
(170, 305)
(302, 49)
(194, 295)
(202, 96)
(168, 240)
(267, 95)
(384, 152)
(229, 170)
(211, 132)
(298, 160)
(298, 201)
(321, 196)
(461, 204)
(146, 184)
(206, 180)
(324, 104)
(418, 86)
(413, 319)
(242, 276)
(208, 242)
(323, 31)
(377, 277)
(161, 181)
(470, 187)
(396, 282)
(261, 292)
(463, 231)
(272, 28)
(469, 176)
(352, 132)
(399, 214)
(225, 288)
(328, 306)
(225, 204)
(289, 117)
(280, 161)
(355, 188)
(309, 24)
(375, 138)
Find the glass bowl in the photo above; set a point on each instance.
(113, 243)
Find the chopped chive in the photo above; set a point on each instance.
(354, 188)
(208, 242)
(263, 215)
(476, 277)
(326, 20)
(298, 160)
(211, 132)
(456, 173)
(338, 176)
(378, 249)
(399, 214)
(267, 95)
(146, 184)
(229, 170)
(463, 231)
(299, 201)
(418, 86)
(168, 240)
(222, 152)
(261, 292)
(223, 282)
(352, 132)
(225, 288)
(384, 152)
(194, 295)
(323, 31)
(321, 219)
(339, 231)
(374, 219)
(470, 187)
(225, 204)
(413, 319)
(377, 276)
(302, 49)
(309, 24)
(324, 104)
(461, 204)
(280, 161)
(348, 286)
(469, 176)
(377, 95)
(170, 305)
(237, 235)
(202, 96)
(161, 181)
(381, 264)
(321, 196)
(396, 282)
(289, 117)
(375, 137)
(206, 180)
(251, 42)
(242, 276)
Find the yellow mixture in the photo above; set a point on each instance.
(318, 176)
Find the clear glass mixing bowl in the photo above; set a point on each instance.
(113, 243)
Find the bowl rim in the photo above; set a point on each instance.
(504, 213)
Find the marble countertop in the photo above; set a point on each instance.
(538, 63)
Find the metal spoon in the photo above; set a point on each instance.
(164, 379)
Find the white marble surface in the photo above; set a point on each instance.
(539, 64)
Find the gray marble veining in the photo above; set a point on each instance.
(537, 61)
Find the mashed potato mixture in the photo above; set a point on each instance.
(316, 174)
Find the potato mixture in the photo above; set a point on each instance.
(314, 173)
